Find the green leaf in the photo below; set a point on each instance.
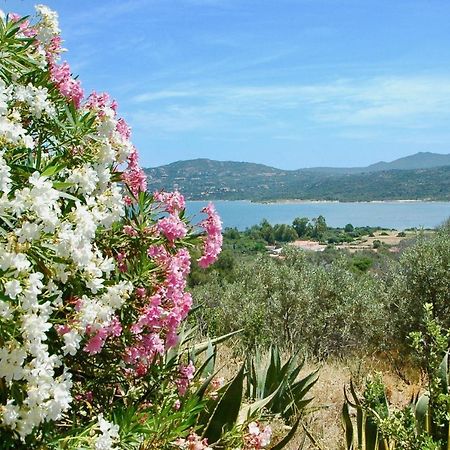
(51, 170)
(210, 360)
(226, 411)
(250, 410)
(202, 346)
(371, 434)
(421, 412)
(273, 372)
(348, 426)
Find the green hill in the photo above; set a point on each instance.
(203, 179)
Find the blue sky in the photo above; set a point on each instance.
(289, 83)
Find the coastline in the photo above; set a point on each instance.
(300, 201)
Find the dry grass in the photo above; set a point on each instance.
(324, 418)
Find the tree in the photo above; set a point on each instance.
(302, 226)
(349, 228)
(320, 227)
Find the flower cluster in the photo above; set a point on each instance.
(109, 434)
(213, 241)
(257, 437)
(89, 269)
(192, 442)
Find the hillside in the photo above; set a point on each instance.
(415, 177)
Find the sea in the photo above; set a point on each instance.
(397, 215)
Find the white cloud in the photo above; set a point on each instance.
(402, 102)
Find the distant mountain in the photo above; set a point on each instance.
(421, 160)
(420, 176)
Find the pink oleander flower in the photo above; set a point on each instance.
(186, 374)
(173, 201)
(24, 26)
(96, 342)
(176, 405)
(141, 292)
(133, 175)
(172, 227)
(123, 129)
(14, 17)
(100, 102)
(121, 261)
(257, 438)
(130, 231)
(62, 329)
(67, 86)
(53, 49)
(193, 442)
(212, 245)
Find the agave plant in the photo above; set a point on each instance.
(374, 406)
(279, 381)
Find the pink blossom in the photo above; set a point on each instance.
(212, 245)
(123, 129)
(159, 253)
(115, 327)
(173, 201)
(156, 328)
(141, 292)
(257, 438)
(62, 329)
(101, 102)
(193, 442)
(121, 260)
(144, 350)
(54, 48)
(133, 175)
(23, 26)
(130, 231)
(177, 405)
(186, 374)
(172, 227)
(95, 343)
(67, 86)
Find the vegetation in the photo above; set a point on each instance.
(424, 423)
(420, 176)
(329, 302)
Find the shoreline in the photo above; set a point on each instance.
(300, 201)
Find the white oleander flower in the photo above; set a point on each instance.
(10, 414)
(13, 288)
(48, 27)
(72, 340)
(109, 434)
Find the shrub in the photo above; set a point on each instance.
(295, 303)
(92, 268)
(421, 277)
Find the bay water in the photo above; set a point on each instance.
(395, 214)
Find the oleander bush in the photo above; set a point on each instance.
(92, 267)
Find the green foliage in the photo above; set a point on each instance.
(302, 226)
(325, 309)
(376, 244)
(364, 432)
(280, 382)
(421, 276)
(246, 181)
(424, 425)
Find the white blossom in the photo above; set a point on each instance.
(109, 434)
